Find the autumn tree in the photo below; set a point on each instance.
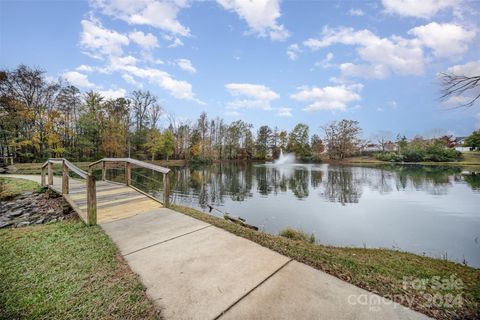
(342, 138)
(298, 141)
(317, 147)
(154, 142)
(263, 142)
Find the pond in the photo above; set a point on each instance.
(427, 210)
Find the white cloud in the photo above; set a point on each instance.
(145, 41)
(85, 68)
(469, 69)
(260, 15)
(186, 65)
(284, 112)
(356, 12)
(325, 63)
(113, 93)
(98, 41)
(231, 113)
(254, 96)
(293, 50)
(256, 91)
(392, 104)
(155, 13)
(420, 9)
(446, 40)
(129, 79)
(328, 98)
(78, 79)
(383, 55)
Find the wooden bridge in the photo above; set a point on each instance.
(103, 201)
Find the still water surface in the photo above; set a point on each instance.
(427, 210)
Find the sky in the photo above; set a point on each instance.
(265, 62)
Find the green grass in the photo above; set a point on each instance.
(67, 270)
(471, 158)
(295, 234)
(381, 271)
(11, 187)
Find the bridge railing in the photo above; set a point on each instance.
(47, 181)
(130, 163)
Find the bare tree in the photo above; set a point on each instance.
(382, 138)
(142, 102)
(454, 85)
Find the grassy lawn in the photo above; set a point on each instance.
(66, 270)
(468, 159)
(381, 271)
(11, 187)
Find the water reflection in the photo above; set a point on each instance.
(422, 209)
(342, 184)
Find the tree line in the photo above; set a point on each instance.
(42, 118)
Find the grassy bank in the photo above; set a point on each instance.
(10, 187)
(468, 159)
(66, 270)
(381, 271)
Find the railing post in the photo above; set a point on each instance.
(104, 170)
(128, 173)
(91, 201)
(65, 185)
(166, 191)
(50, 173)
(42, 176)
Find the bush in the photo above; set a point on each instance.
(434, 153)
(295, 234)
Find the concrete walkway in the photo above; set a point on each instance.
(193, 270)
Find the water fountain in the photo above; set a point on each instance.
(288, 158)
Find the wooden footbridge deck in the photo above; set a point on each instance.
(103, 201)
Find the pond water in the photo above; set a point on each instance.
(427, 210)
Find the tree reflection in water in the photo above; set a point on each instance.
(335, 183)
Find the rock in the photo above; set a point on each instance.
(50, 211)
(40, 221)
(5, 224)
(15, 213)
(23, 224)
(53, 220)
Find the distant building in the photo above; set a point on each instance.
(389, 146)
(459, 144)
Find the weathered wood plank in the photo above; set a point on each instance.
(91, 201)
(65, 177)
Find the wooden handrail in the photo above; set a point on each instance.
(91, 215)
(135, 162)
(129, 163)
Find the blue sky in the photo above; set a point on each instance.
(268, 62)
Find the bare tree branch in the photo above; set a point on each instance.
(457, 85)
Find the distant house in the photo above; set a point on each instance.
(372, 147)
(459, 144)
(389, 146)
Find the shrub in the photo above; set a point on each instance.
(295, 234)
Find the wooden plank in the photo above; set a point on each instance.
(50, 173)
(64, 179)
(166, 190)
(78, 210)
(104, 171)
(128, 173)
(42, 177)
(91, 201)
